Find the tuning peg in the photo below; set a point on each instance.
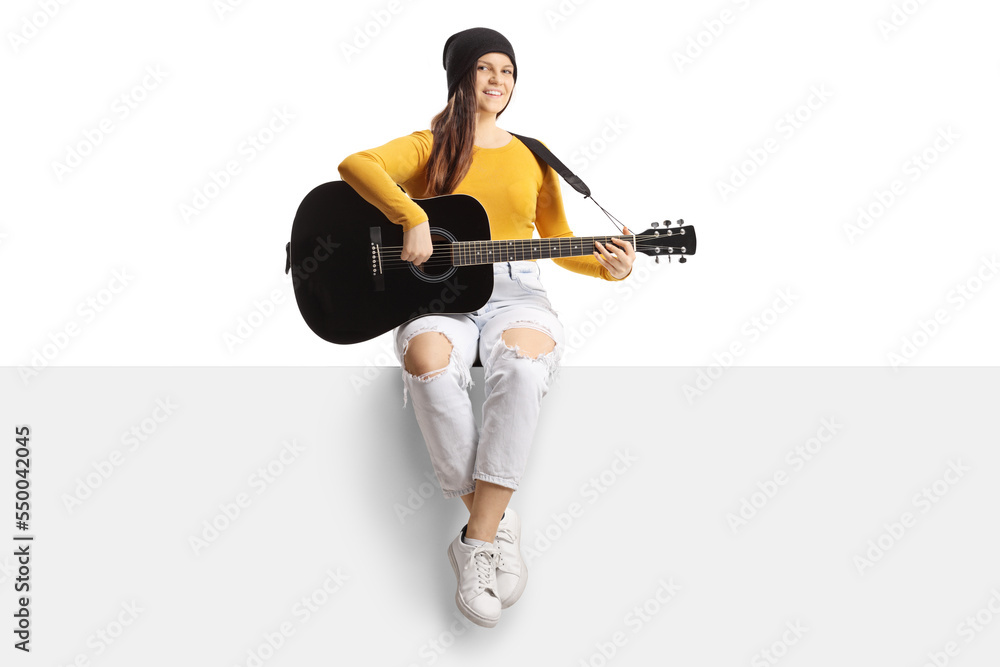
(682, 260)
(666, 223)
(680, 222)
(656, 224)
(657, 258)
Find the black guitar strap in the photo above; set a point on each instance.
(546, 156)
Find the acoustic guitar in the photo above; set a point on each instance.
(351, 285)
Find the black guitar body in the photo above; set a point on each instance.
(338, 257)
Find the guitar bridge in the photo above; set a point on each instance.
(376, 239)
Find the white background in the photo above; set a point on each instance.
(601, 77)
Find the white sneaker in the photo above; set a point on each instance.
(512, 571)
(475, 569)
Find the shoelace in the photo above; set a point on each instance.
(484, 559)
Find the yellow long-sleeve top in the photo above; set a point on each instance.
(519, 192)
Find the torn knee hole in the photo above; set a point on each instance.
(531, 341)
(430, 355)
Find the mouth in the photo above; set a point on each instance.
(492, 92)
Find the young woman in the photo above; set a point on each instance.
(517, 335)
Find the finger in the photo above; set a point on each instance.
(601, 260)
(629, 248)
(612, 264)
(608, 253)
(629, 251)
(625, 245)
(615, 271)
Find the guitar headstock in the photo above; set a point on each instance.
(668, 239)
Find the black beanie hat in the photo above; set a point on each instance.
(462, 51)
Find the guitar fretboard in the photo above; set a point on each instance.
(466, 253)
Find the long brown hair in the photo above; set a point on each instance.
(454, 130)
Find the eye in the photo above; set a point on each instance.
(506, 69)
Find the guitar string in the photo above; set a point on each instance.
(445, 246)
(404, 265)
(445, 261)
(438, 260)
(445, 258)
(643, 237)
(443, 254)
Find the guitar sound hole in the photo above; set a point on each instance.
(439, 266)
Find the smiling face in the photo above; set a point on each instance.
(494, 82)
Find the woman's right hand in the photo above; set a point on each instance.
(417, 246)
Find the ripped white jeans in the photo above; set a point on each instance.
(515, 383)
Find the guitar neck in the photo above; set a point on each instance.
(467, 253)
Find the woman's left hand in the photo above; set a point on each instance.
(617, 260)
